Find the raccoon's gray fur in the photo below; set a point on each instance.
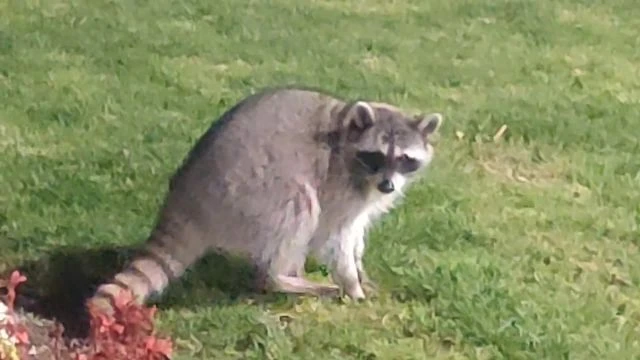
(285, 173)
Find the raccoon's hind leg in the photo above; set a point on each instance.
(282, 265)
(302, 286)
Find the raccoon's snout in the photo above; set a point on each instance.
(386, 186)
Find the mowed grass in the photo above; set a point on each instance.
(520, 248)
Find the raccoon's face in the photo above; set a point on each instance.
(388, 148)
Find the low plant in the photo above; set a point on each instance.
(129, 333)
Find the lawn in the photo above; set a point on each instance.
(519, 247)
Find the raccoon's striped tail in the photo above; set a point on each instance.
(170, 249)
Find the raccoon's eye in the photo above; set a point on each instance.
(373, 161)
(407, 164)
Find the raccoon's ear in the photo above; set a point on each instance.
(429, 124)
(360, 116)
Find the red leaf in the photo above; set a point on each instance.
(16, 279)
(119, 329)
(22, 336)
(159, 346)
(123, 300)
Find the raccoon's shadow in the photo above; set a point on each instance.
(60, 282)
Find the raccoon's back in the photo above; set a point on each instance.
(238, 171)
(265, 133)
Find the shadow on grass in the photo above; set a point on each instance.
(60, 282)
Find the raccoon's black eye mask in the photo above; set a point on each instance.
(374, 161)
(407, 164)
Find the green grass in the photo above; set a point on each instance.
(506, 251)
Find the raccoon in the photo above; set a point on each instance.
(284, 174)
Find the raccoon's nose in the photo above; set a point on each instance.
(386, 186)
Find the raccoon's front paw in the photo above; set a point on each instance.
(369, 286)
(355, 293)
(350, 285)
